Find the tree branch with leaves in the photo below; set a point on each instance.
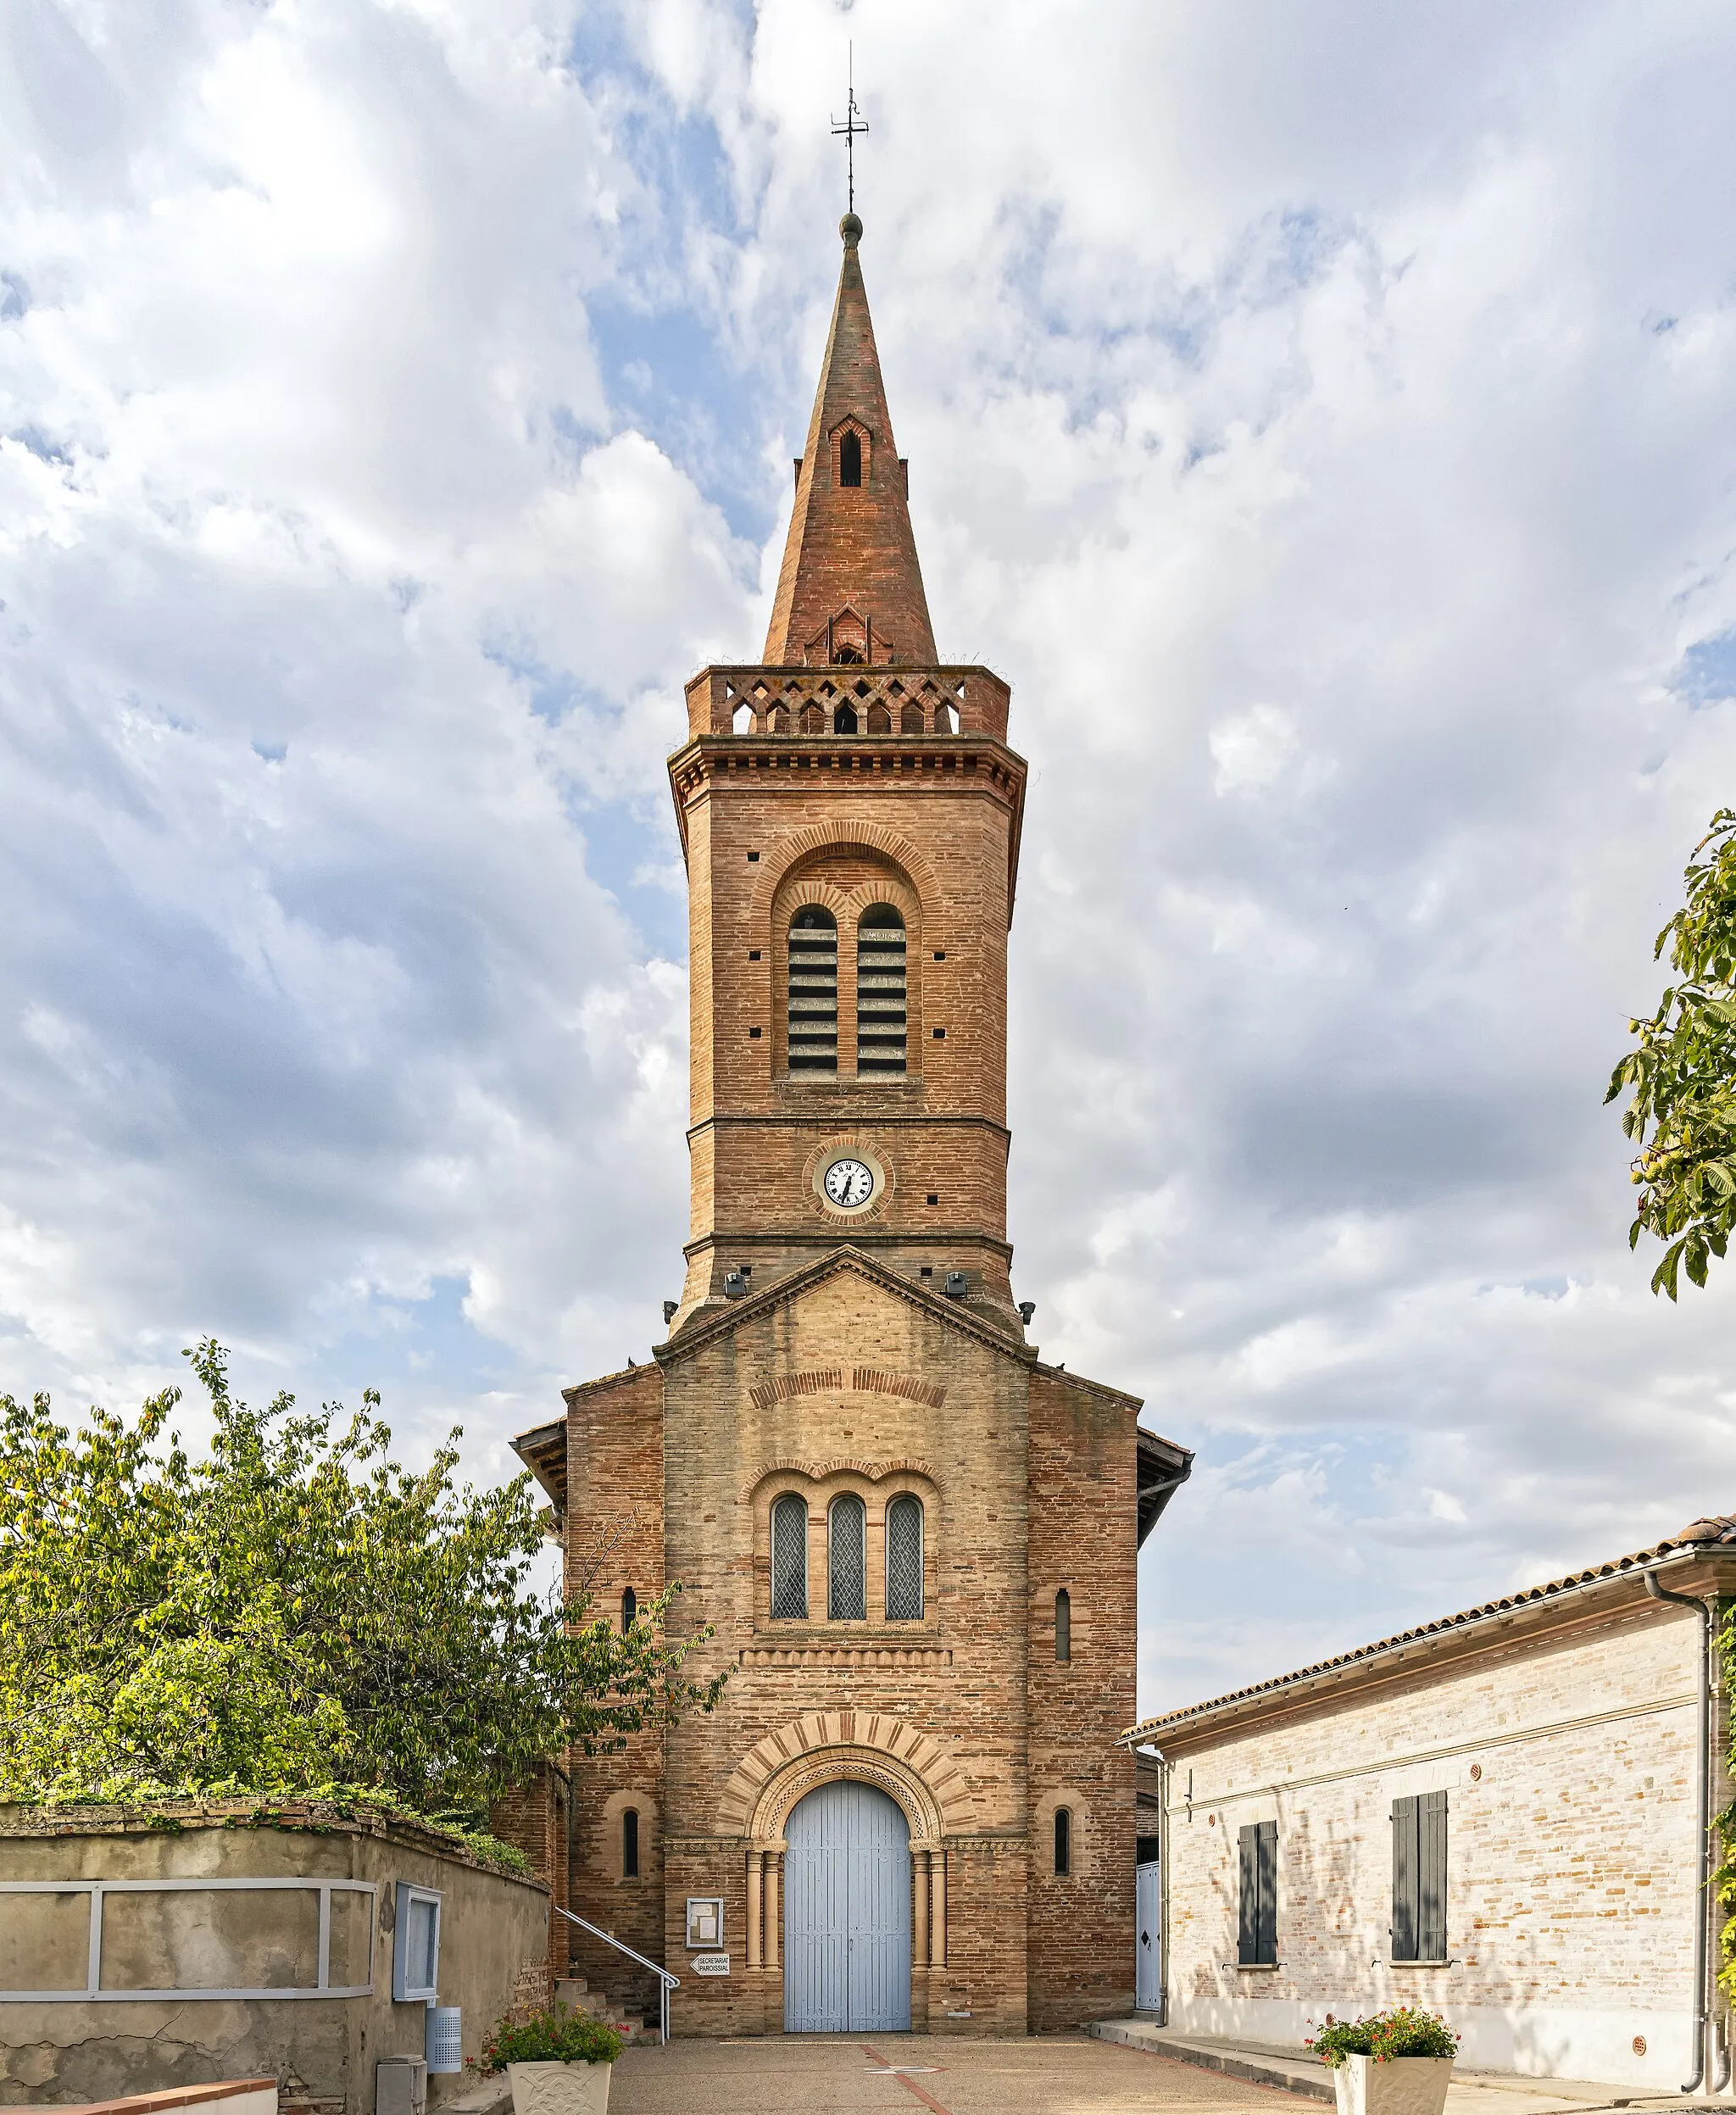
(1681, 1075)
(296, 1613)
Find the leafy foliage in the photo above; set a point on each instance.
(1724, 1875)
(295, 1614)
(557, 2035)
(1404, 2031)
(1682, 1074)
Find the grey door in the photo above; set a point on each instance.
(847, 1913)
(1147, 1974)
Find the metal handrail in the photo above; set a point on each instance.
(665, 1981)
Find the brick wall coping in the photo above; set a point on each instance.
(1700, 1539)
(322, 1818)
(174, 2096)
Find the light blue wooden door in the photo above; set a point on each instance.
(847, 1913)
(1147, 1976)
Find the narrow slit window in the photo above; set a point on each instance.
(630, 1844)
(813, 999)
(882, 1009)
(904, 1560)
(1063, 1625)
(1063, 1841)
(850, 460)
(789, 1557)
(847, 1560)
(629, 1610)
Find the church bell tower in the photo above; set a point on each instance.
(907, 1543)
(849, 814)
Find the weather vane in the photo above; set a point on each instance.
(853, 123)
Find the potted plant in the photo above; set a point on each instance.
(1397, 2062)
(559, 2061)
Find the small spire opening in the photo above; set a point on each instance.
(850, 460)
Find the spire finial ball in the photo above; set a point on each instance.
(850, 227)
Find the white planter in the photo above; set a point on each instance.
(560, 2089)
(1408, 2086)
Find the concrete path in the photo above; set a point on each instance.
(1296, 2072)
(905, 2074)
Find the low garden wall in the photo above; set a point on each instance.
(182, 1945)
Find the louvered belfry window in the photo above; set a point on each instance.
(813, 1008)
(882, 1012)
(1257, 1938)
(904, 1560)
(1420, 1877)
(789, 1557)
(847, 1560)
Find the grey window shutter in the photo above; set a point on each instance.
(1405, 1849)
(1432, 1877)
(1266, 1864)
(1247, 1936)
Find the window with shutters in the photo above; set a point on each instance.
(630, 1845)
(904, 1560)
(1063, 1625)
(1063, 1841)
(813, 990)
(882, 1016)
(789, 1557)
(1420, 1877)
(1257, 1930)
(847, 1560)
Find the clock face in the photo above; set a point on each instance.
(848, 1183)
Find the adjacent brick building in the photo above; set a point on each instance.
(916, 1541)
(1500, 1816)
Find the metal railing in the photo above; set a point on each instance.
(665, 1981)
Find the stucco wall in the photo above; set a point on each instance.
(1568, 1763)
(491, 1924)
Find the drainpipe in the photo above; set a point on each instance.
(1702, 1819)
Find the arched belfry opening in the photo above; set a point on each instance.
(850, 460)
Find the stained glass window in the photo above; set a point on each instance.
(904, 1559)
(847, 1567)
(789, 1557)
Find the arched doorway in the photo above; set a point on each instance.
(847, 1912)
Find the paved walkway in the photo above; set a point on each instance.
(1049, 2074)
(904, 2075)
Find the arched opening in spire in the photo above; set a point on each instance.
(850, 460)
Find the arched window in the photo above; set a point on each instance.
(879, 720)
(742, 721)
(847, 1560)
(904, 1559)
(850, 460)
(880, 1010)
(910, 719)
(843, 720)
(1063, 1626)
(1063, 1841)
(630, 1844)
(789, 1557)
(813, 1002)
(629, 1610)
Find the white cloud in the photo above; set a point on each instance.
(1317, 413)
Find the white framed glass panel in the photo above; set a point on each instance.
(415, 1946)
(904, 1559)
(847, 1560)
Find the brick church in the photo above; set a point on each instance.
(916, 1540)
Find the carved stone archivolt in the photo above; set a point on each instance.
(874, 1747)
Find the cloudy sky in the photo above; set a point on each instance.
(1325, 415)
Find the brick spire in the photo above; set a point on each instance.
(851, 589)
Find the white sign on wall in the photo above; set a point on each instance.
(710, 1964)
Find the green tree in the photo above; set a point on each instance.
(1681, 1075)
(295, 1612)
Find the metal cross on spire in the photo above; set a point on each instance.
(853, 123)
